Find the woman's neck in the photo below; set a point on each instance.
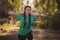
(27, 14)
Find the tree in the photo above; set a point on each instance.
(46, 5)
(4, 8)
(9, 5)
(12, 5)
(56, 17)
(58, 4)
(15, 5)
(49, 7)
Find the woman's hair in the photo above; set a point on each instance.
(27, 7)
(25, 17)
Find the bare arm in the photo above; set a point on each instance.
(17, 13)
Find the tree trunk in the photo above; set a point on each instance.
(4, 8)
(58, 4)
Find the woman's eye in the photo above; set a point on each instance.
(27, 9)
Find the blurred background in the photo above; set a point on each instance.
(48, 10)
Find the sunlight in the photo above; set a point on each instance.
(28, 2)
(42, 22)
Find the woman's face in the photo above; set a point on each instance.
(28, 10)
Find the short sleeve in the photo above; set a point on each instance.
(34, 18)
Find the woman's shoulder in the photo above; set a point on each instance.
(20, 15)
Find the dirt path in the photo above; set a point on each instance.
(39, 34)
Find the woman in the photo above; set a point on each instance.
(26, 20)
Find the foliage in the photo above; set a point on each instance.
(40, 24)
(48, 6)
(18, 23)
(15, 5)
(51, 9)
(4, 9)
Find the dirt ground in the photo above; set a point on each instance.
(38, 34)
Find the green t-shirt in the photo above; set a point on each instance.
(26, 30)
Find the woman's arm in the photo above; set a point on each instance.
(37, 19)
(17, 13)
